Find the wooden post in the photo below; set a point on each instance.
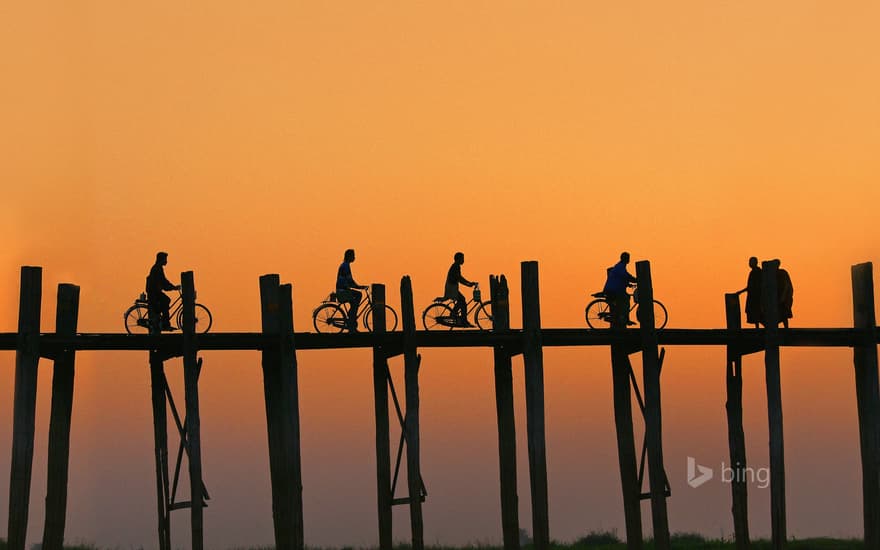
(160, 442)
(533, 359)
(290, 413)
(383, 437)
(193, 422)
(867, 398)
(735, 435)
(59, 424)
(770, 306)
(623, 422)
(504, 407)
(27, 358)
(282, 507)
(412, 360)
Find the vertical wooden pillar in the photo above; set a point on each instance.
(533, 359)
(735, 434)
(289, 390)
(193, 420)
(282, 508)
(59, 424)
(412, 360)
(383, 437)
(867, 398)
(770, 306)
(160, 442)
(653, 417)
(506, 422)
(27, 358)
(623, 422)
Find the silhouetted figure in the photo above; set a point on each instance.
(157, 301)
(615, 291)
(346, 289)
(785, 292)
(754, 313)
(450, 291)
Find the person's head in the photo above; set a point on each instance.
(459, 258)
(753, 262)
(161, 258)
(624, 257)
(349, 255)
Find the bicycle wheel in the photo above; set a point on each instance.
(390, 319)
(660, 315)
(438, 316)
(203, 319)
(329, 318)
(598, 314)
(136, 320)
(483, 316)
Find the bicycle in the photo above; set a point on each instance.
(439, 315)
(598, 312)
(331, 315)
(137, 317)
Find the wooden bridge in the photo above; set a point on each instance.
(279, 343)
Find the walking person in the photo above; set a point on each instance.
(158, 302)
(615, 291)
(785, 292)
(754, 313)
(450, 290)
(346, 289)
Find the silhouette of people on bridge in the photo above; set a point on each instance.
(347, 289)
(754, 310)
(785, 293)
(619, 279)
(450, 290)
(157, 301)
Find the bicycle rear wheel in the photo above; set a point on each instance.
(204, 320)
(483, 316)
(438, 316)
(390, 319)
(329, 318)
(598, 314)
(137, 320)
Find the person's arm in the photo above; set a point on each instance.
(166, 284)
(464, 281)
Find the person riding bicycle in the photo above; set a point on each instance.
(615, 291)
(451, 292)
(346, 289)
(158, 301)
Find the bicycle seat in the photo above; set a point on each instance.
(598, 295)
(440, 299)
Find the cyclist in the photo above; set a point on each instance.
(158, 301)
(453, 278)
(615, 291)
(346, 289)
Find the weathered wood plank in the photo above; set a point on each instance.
(735, 434)
(66, 317)
(383, 437)
(27, 358)
(290, 413)
(412, 361)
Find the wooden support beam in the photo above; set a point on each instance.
(533, 359)
(66, 317)
(193, 419)
(412, 361)
(653, 416)
(736, 438)
(282, 507)
(770, 305)
(158, 385)
(27, 358)
(290, 406)
(383, 437)
(867, 398)
(505, 411)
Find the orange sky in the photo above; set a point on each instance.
(251, 139)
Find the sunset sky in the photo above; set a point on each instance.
(249, 138)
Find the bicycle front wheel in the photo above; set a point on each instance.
(660, 315)
(136, 320)
(390, 319)
(598, 314)
(204, 320)
(483, 316)
(438, 316)
(329, 318)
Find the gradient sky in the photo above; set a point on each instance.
(248, 139)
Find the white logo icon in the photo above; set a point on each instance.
(695, 480)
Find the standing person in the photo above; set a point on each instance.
(785, 292)
(615, 291)
(754, 314)
(346, 289)
(157, 301)
(450, 291)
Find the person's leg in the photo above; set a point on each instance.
(165, 317)
(460, 308)
(354, 303)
